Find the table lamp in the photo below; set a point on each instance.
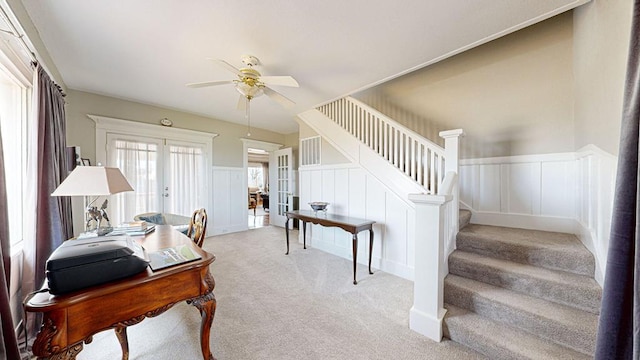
(94, 181)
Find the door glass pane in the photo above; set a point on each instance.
(283, 181)
(138, 161)
(185, 180)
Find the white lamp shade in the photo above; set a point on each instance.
(93, 181)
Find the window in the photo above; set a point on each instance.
(13, 125)
(256, 176)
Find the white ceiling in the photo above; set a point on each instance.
(147, 50)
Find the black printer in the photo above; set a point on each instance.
(78, 264)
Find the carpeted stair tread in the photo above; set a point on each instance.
(464, 218)
(562, 324)
(541, 248)
(499, 341)
(561, 287)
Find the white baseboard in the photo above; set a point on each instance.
(587, 237)
(397, 269)
(426, 325)
(221, 230)
(387, 266)
(523, 221)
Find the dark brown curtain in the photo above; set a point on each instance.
(53, 214)
(619, 326)
(10, 344)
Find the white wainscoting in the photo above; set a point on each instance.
(228, 214)
(351, 191)
(596, 170)
(564, 192)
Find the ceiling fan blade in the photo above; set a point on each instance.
(283, 100)
(279, 81)
(209, 83)
(227, 66)
(242, 103)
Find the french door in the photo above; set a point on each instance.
(280, 185)
(167, 176)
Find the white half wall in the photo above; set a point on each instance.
(564, 192)
(352, 191)
(228, 214)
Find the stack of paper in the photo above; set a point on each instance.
(133, 228)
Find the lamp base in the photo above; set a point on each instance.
(101, 231)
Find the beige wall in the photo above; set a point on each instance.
(227, 147)
(553, 87)
(512, 96)
(601, 40)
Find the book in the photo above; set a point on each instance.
(132, 225)
(172, 256)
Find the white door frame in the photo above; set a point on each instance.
(105, 125)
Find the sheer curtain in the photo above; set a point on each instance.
(138, 162)
(47, 167)
(9, 343)
(184, 181)
(177, 170)
(265, 177)
(619, 324)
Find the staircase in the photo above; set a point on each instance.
(509, 293)
(521, 294)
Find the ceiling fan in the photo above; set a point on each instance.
(250, 83)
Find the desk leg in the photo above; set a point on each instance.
(207, 306)
(121, 334)
(286, 229)
(48, 342)
(370, 248)
(355, 257)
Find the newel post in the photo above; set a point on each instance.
(451, 149)
(452, 164)
(428, 311)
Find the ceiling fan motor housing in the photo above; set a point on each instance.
(250, 60)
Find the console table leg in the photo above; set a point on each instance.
(121, 334)
(304, 234)
(286, 228)
(370, 249)
(355, 257)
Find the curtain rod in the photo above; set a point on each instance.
(14, 32)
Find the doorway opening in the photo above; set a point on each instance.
(258, 187)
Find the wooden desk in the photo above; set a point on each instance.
(72, 319)
(349, 224)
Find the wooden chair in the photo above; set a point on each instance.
(198, 226)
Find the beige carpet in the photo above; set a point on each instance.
(272, 306)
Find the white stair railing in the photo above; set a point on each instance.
(412, 154)
(436, 209)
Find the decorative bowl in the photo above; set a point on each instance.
(319, 206)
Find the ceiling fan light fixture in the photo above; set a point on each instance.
(249, 91)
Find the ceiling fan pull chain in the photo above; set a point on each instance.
(248, 115)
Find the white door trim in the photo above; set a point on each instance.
(106, 125)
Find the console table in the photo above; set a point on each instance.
(69, 320)
(349, 224)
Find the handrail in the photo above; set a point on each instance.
(420, 159)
